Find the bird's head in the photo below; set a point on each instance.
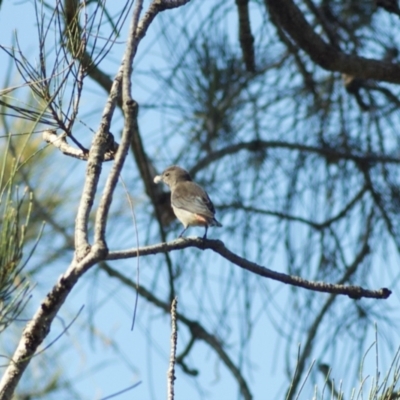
(173, 175)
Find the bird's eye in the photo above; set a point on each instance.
(167, 174)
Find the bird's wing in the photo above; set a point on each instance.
(191, 197)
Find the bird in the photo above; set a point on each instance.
(190, 202)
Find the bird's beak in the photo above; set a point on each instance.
(157, 179)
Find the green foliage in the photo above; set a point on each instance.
(14, 217)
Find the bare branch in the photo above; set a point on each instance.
(246, 38)
(354, 292)
(172, 358)
(61, 143)
(93, 171)
(155, 7)
(130, 109)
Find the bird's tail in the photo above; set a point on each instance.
(214, 222)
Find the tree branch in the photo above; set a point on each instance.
(330, 153)
(292, 20)
(246, 38)
(93, 171)
(174, 339)
(281, 215)
(354, 292)
(61, 143)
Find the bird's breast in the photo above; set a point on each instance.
(190, 219)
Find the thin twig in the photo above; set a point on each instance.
(172, 357)
(197, 331)
(60, 141)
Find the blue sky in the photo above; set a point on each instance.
(111, 357)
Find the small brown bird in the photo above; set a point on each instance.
(190, 202)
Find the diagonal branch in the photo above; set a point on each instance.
(39, 326)
(354, 292)
(291, 19)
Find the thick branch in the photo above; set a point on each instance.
(292, 20)
(354, 292)
(246, 38)
(39, 326)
